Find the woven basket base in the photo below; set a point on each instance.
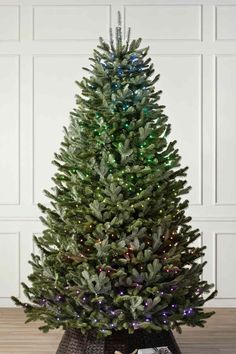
(74, 342)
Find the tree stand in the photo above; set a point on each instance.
(74, 342)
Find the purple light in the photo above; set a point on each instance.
(199, 291)
(188, 311)
(121, 293)
(174, 306)
(161, 293)
(135, 325)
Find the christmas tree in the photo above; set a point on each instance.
(117, 249)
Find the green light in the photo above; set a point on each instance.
(145, 110)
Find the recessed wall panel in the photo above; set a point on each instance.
(225, 129)
(9, 264)
(226, 22)
(9, 23)
(9, 131)
(180, 81)
(54, 98)
(71, 22)
(225, 265)
(165, 22)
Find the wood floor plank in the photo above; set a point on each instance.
(16, 337)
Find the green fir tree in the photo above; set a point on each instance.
(117, 249)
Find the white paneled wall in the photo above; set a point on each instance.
(43, 46)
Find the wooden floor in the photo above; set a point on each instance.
(218, 337)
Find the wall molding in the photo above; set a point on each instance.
(200, 15)
(18, 37)
(18, 123)
(215, 129)
(215, 247)
(17, 234)
(109, 6)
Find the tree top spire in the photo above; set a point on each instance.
(118, 31)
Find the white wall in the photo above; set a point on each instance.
(44, 44)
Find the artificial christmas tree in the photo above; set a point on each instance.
(117, 252)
